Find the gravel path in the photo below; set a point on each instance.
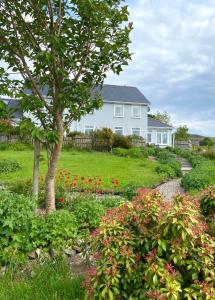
(170, 188)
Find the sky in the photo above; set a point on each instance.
(173, 62)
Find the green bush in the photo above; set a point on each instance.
(200, 177)
(121, 141)
(152, 249)
(54, 231)
(23, 231)
(208, 207)
(9, 165)
(89, 208)
(16, 213)
(165, 169)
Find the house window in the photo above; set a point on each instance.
(88, 129)
(149, 136)
(165, 137)
(136, 131)
(162, 137)
(136, 112)
(119, 110)
(119, 130)
(159, 137)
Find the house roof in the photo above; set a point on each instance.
(114, 93)
(157, 124)
(14, 105)
(124, 94)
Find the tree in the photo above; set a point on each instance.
(181, 134)
(63, 50)
(208, 142)
(162, 117)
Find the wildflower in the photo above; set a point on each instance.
(82, 178)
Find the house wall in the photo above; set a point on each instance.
(105, 118)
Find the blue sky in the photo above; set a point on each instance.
(174, 59)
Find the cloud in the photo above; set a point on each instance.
(174, 62)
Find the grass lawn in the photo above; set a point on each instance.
(52, 281)
(105, 165)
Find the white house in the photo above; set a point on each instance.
(125, 110)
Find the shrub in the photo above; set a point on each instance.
(200, 177)
(16, 211)
(9, 165)
(121, 141)
(165, 169)
(208, 207)
(54, 231)
(151, 249)
(130, 191)
(22, 231)
(89, 208)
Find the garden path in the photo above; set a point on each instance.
(172, 187)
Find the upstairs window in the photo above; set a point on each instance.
(136, 131)
(88, 129)
(119, 130)
(136, 111)
(118, 110)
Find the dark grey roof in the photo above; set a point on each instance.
(155, 123)
(14, 105)
(124, 94)
(114, 93)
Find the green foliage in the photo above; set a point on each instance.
(88, 208)
(165, 169)
(50, 280)
(9, 165)
(132, 152)
(54, 231)
(22, 231)
(16, 212)
(130, 191)
(208, 207)
(152, 249)
(18, 146)
(162, 117)
(182, 134)
(207, 142)
(106, 135)
(121, 141)
(199, 177)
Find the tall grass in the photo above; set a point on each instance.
(51, 281)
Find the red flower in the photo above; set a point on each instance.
(61, 200)
(82, 178)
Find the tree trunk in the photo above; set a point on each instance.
(35, 184)
(52, 167)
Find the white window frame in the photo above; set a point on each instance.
(149, 133)
(162, 131)
(93, 128)
(123, 131)
(119, 105)
(136, 129)
(132, 112)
